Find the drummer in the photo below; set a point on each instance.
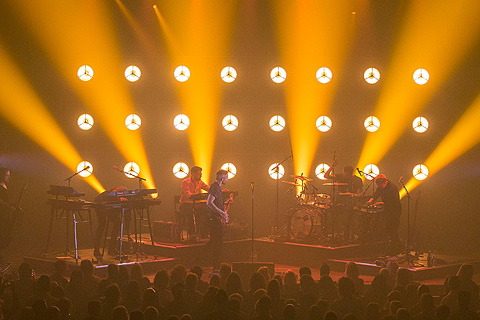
(349, 187)
(354, 184)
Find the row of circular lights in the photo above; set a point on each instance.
(230, 123)
(276, 171)
(229, 74)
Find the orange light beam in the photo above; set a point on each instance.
(420, 46)
(76, 33)
(20, 105)
(463, 136)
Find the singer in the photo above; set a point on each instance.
(392, 210)
(8, 214)
(216, 212)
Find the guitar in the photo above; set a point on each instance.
(228, 203)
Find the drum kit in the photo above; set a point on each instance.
(314, 215)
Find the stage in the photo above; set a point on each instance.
(279, 255)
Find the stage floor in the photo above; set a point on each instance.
(284, 255)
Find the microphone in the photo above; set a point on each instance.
(84, 169)
(252, 185)
(118, 169)
(400, 180)
(359, 172)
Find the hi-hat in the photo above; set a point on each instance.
(335, 184)
(292, 183)
(301, 178)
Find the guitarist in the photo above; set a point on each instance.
(7, 211)
(216, 212)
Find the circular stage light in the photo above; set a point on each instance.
(324, 75)
(277, 123)
(278, 74)
(371, 171)
(371, 75)
(420, 124)
(182, 73)
(85, 73)
(181, 122)
(133, 122)
(180, 170)
(86, 167)
(320, 171)
(132, 73)
(276, 171)
(230, 122)
(420, 172)
(228, 74)
(85, 121)
(372, 124)
(131, 170)
(324, 124)
(231, 169)
(421, 76)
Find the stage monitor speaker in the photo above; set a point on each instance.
(245, 270)
(166, 231)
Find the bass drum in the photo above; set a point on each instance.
(301, 222)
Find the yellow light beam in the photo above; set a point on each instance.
(436, 36)
(199, 39)
(20, 105)
(75, 33)
(311, 34)
(463, 136)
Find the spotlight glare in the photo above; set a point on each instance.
(324, 124)
(180, 170)
(277, 123)
(228, 74)
(371, 75)
(182, 73)
(181, 122)
(324, 75)
(372, 124)
(278, 74)
(371, 171)
(132, 73)
(276, 171)
(85, 121)
(420, 124)
(420, 172)
(421, 76)
(133, 122)
(82, 166)
(320, 171)
(131, 170)
(231, 169)
(85, 73)
(230, 122)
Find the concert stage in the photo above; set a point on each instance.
(369, 257)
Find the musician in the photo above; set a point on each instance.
(392, 209)
(7, 211)
(114, 215)
(191, 186)
(216, 213)
(346, 194)
(354, 183)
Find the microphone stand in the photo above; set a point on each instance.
(69, 179)
(408, 223)
(277, 172)
(253, 240)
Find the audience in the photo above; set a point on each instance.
(177, 295)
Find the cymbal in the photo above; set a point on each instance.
(301, 178)
(335, 184)
(292, 183)
(350, 194)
